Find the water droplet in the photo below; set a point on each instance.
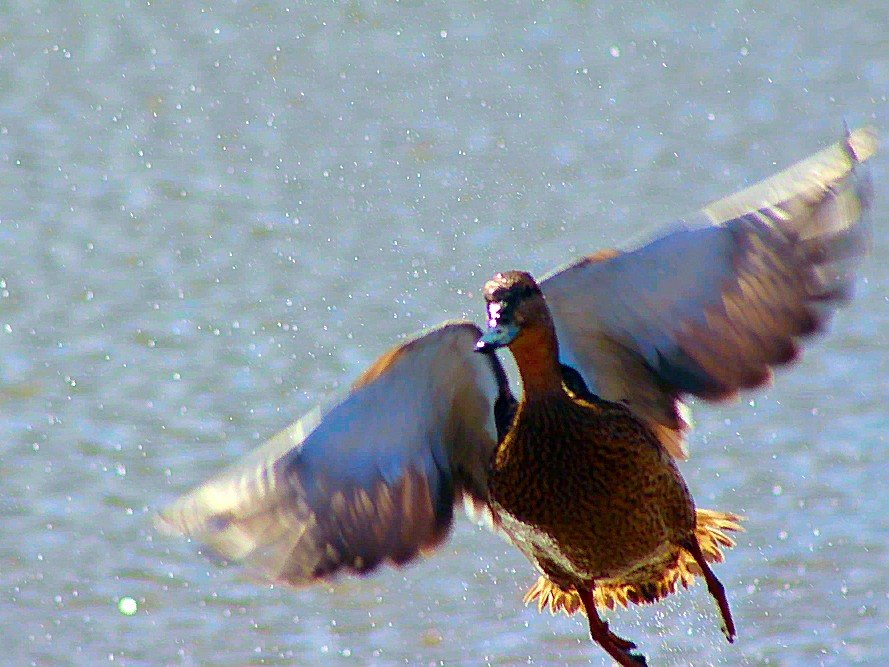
(127, 606)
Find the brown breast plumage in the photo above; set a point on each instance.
(586, 491)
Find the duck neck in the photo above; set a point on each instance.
(537, 355)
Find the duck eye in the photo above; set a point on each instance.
(527, 292)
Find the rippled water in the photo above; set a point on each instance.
(211, 218)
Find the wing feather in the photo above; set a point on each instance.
(372, 479)
(709, 308)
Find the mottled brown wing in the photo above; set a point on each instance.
(374, 479)
(710, 307)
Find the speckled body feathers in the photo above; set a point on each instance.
(587, 492)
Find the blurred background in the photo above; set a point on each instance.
(214, 215)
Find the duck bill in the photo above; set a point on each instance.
(497, 336)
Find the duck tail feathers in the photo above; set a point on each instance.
(712, 533)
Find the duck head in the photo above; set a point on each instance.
(515, 306)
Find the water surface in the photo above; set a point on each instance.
(211, 218)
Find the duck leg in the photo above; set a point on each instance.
(617, 647)
(620, 642)
(717, 590)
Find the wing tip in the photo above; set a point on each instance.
(861, 143)
(164, 524)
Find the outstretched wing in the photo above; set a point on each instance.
(709, 308)
(372, 480)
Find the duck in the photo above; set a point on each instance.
(580, 472)
(584, 488)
